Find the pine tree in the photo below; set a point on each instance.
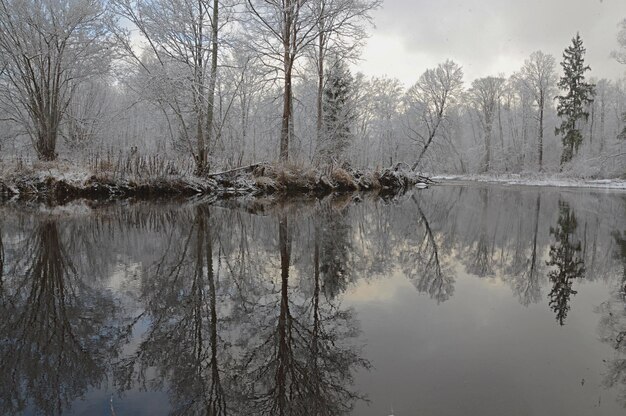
(338, 113)
(578, 95)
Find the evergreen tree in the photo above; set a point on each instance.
(338, 113)
(578, 95)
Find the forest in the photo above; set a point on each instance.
(181, 87)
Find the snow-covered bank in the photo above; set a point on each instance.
(62, 184)
(536, 180)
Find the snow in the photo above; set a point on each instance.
(536, 180)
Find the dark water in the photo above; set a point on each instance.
(457, 300)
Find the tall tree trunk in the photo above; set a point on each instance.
(287, 93)
(320, 91)
(199, 96)
(540, 135)
(213, 73)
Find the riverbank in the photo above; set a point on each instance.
(547, 180)
(57, 183)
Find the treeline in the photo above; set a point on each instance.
(226, 83)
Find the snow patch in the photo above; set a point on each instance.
(555, 181)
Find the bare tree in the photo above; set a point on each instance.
(485, 98)
(621, 39)
(539, 77)
(281, 31)
(47, 48)
(431, 97)
(182, 38)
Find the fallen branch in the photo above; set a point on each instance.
(249, 168)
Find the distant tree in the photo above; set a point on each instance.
(338, 112)
(578, 95)
(47, 49)
(621, 57)
(432, 95)
(539, 77)
(621, 39)
(485, 98)
(180, 61)
(383, 100)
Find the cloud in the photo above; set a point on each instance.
(489, 37)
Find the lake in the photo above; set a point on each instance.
(454, 300)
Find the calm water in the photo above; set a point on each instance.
(456, 300)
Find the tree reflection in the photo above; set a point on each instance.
(335, 246)
(612, 326)
(56, 329)
(422, 261)
(526, 274)
(620, 240)
(565, 256)
(230, 340)
(182, 341)
(480, 264)
(300, 362)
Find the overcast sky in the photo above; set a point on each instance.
(488, 37)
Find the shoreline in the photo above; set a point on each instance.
(547, 181)
(57, 186)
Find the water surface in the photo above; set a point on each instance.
(456, 300)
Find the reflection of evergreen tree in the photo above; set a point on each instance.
(565, 256)
(335, 242)
(56, 330)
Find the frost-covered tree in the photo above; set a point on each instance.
(428, 102)
(47, 49)
(539, 77)
(280, 30)
(620, 55)
(338, 112)
(572, 107)
(341, 31)
(179, 61)
(485, 98)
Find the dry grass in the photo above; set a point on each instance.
(343, 179)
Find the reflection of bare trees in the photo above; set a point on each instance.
(526, 277)
(299, 362)
(1, 261)
(620, 240)
(480, 264)
(612, 326)
(422, 262)
(226, 339)
(565, 257)
(183, 341)
(56, 328)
